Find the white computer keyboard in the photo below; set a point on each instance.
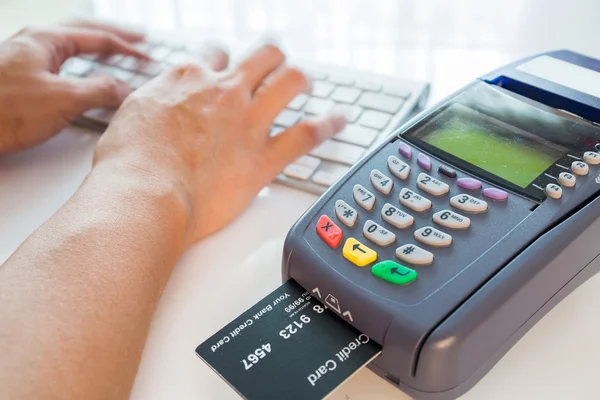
(374, 104)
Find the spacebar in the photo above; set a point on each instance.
(344, 153)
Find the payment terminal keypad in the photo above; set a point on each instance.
(415, 221)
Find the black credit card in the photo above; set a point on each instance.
(287, 346)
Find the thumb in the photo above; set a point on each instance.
(97, 92)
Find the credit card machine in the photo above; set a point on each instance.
(448, 242)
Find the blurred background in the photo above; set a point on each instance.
(446, 42)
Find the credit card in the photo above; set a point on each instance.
(287, 346)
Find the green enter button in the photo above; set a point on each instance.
(394, 273)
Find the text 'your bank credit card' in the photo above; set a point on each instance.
(287, 346)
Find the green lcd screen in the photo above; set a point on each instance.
(515, 156)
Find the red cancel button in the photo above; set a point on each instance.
(329, 232)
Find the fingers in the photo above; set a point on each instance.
(94, 92)
(285, 84)
(122, 33)
(80, 40)
(255, 68)
(299, 139)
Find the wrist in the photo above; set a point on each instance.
(150, 193)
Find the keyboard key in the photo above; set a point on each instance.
(469, 183)
(351, 112)
(329, 231)
(398, 168)
(287, 118)
(100, 115)
(150, 68)
(380, 102)
(357, 253)
(566, 179)
(431, 185)
(138, 81)
(113, 60)
(445, 170)
(580, 168)
(302, 168)
(363, 197)
(341, 79)
(276, 130)
(308, 161)
(468, 204)
(374, 119)
(433, 237)
(496, 194)
(414, 201)
(298, 172)
(347, 95)
(329, 174)
(450, 219)
(424, 161)
(298, 102)
(591, 157)
(382, 183)
(378, 234)
(396, 217)
(322, 89)
(77, 66)
(346, 214)
(344, 153)
(394, 273)
(129, 63)
(397, 91)
(318, 106)
(405, 150)
(553, 191)
(414, 255)
(368, 85)
(122, 74)
(357, 135)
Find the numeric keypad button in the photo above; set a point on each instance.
(378, 234)
(363, 197)
(396, 217)
(433, 237)
(591, 157)
(580, 168)
(469, 204)
(346, 214)
(414, 201)
(450, 219)
(553, 191)
(414, 255)
(566, 179)
(381, 182)
(431, 185)
(398, 168)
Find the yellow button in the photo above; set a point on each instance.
(358, 253)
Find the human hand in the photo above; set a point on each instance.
(35, 102)
(204, 135)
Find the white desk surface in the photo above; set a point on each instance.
(225, 274)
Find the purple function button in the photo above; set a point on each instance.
(405, 150)
(495, 194)
(424, 161)
(469, 183)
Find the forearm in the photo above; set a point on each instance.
(76, 299)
